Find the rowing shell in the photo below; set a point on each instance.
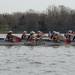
(29, 43)
(35, 43)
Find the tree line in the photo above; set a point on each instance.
(59, 18)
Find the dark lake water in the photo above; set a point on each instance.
(38, 60)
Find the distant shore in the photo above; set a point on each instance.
(59, 18)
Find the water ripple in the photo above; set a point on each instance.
(26, 60)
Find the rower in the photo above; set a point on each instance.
(53, 33)
(9, 36)
(31, 37)
(70, 31)
(55, 37)
(69, 37)
(24, 35)
(38, 34)
(12, 38)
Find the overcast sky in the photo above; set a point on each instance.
(10, 6)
